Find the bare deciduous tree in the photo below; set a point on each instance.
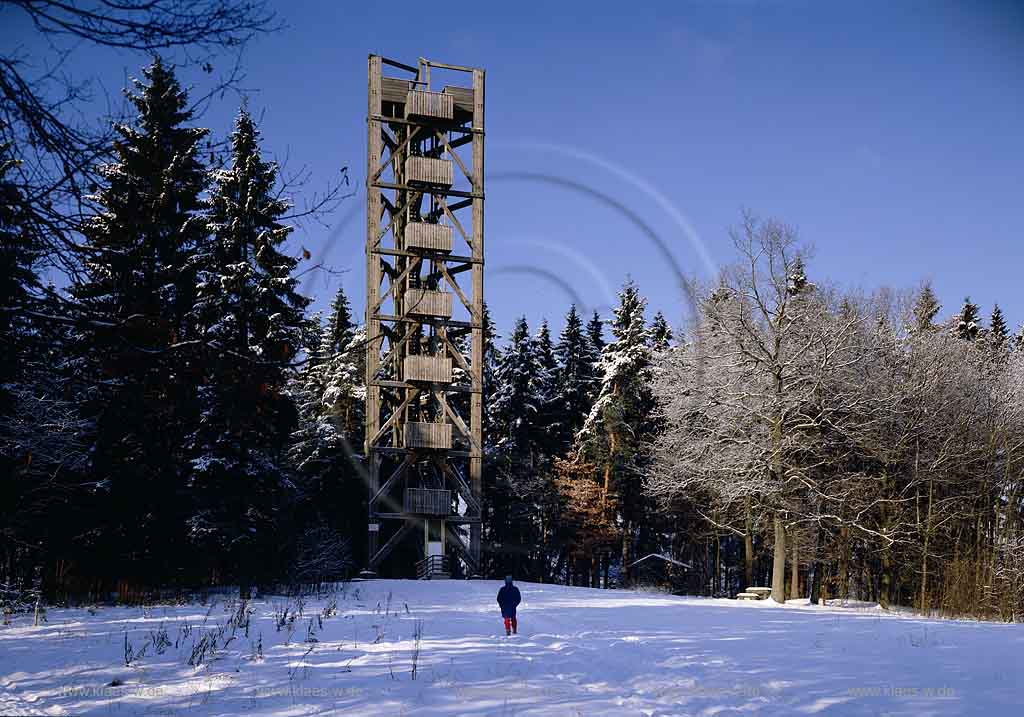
(889, 448)
(56, 147)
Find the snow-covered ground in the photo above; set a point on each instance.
(579, 652)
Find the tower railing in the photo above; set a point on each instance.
(433, 567)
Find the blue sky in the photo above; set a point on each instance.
(889, 134)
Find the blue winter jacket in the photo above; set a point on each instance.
(508, 598)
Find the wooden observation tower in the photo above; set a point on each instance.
(424, 314)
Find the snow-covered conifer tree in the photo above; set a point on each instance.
(132, 354)
(612, 435)
(514, 494)
(574, 389)
(998, 332)
(926, 308)
(251, 321)
(967, 325)
(595, 332)
(330, 395)
(42, 453)
(549, 415)
(661, 332)
(517, 401)
(19, 283)
(491, 358)
(139, 244)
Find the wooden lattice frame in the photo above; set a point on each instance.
(392, 268)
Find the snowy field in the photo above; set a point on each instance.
(579, 652)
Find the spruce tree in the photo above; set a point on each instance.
(491, 358)
(595, 332)
(547, 377)
(340, 327)
(514, 493)
(966, 326)
(661, 333)
(517, 401)
(926, 308)
(613, 433)
(251, 321)
(306, 453)
(329, 394)
(19, 284)
(344, 351)
(998, 331)
(574, 390)
(134, 302)
(496, 495)
(139, 244)
(41, 455)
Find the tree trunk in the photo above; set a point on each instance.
(843, 577)
(779, 564)
(748, 548)
(816, 569)
(885, 586)
(717, 582)
(627, 544)
(794, 574)
(885, 582)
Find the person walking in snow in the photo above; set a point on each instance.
(508, 599)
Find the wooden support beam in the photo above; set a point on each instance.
(402, 147)
(455, 222)
(432, 320)
(476, 406)
(393, 418)
(458, 160)
(464, 139)
(457, 420)
(398, 473)
(460, 485)
(457, 355)
(402, 252)
(470, 305)
(445, 66)
(436, 190)
(397, 281)
(393, 541)
(391, 450)
(391, 357)
(462, 548)
(448, 387)
(373, 337)
(447, 518)
(399, 65)
(403, 121)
